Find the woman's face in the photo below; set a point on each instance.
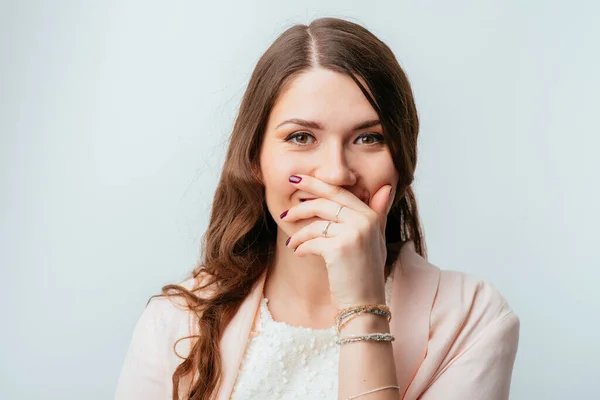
(315, 129)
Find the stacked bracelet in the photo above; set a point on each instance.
(348, 314)
(378, 337)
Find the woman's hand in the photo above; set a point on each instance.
(354, 249)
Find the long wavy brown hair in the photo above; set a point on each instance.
(239, 243)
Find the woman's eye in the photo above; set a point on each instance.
(371, 138)
(300, 138)
(304, 138)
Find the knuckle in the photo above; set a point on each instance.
(336, 190)
(372, 216)
(338, 250)
(343, 250)
(365, 222)
(372, 221)
(354, 236)
(350, 241)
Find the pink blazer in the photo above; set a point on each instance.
(456, 338)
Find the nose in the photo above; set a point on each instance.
(332, 166)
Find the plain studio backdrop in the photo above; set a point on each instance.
(114, 120)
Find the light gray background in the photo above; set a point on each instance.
(113, 124)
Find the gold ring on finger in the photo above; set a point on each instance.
(326, 227)
(335, 219)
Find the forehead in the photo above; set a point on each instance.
(324, 95)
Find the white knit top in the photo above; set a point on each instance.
(290, 362)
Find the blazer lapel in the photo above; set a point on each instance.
(414, 287)
(235, 337)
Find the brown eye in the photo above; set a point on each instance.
(370, 138)
(299, 138)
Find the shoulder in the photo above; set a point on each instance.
(467, 310)
(170, 309)
(172, 321)
(460, 307)
(160, 340)
(469, 299)
(164, 309)
(472, 339)
(450, 297)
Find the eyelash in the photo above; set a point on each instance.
(371, 135)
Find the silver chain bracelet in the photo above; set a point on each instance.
(378, 337)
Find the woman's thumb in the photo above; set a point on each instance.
(380, 204)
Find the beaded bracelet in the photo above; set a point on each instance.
(348, 314)
(378, 337)
(352, 308)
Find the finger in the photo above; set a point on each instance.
(325, 190)
(321, 208)
(315, 246)
(380, 203)
(312, 231)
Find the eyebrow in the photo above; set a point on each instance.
(316, 125)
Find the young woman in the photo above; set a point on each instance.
(314, 282)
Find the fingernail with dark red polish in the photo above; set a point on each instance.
(295, 179)
(283, 214)
(288, 241)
